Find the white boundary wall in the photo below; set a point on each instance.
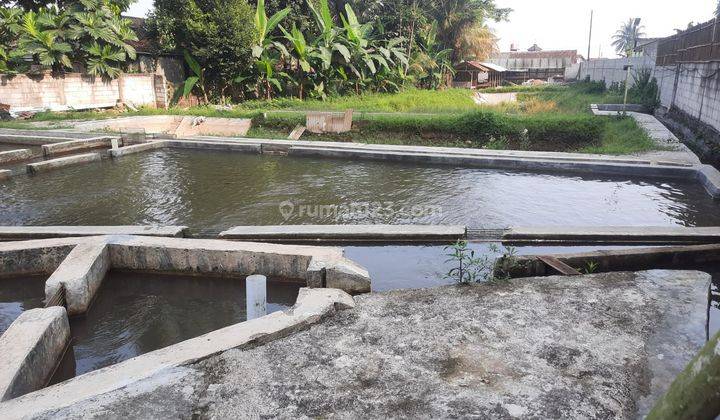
(80, 91)
(693, 88)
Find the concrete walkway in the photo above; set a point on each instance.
(597, 346)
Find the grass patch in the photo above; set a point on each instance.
(545, 118)
(410, 101)
(622, 136)
(546, 132)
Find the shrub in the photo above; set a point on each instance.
(645, 89)
(552, 132)
(590, 86)
(536, 132)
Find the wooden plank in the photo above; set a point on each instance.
(297, 132)
(558, 265)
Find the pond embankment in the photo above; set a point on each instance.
(603, 345)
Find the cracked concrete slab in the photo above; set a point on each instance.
(593, 346)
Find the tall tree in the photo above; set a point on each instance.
(217, 33)
(456, 18)
(626, 37)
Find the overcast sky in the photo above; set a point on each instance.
(563, 24)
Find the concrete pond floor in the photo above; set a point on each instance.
(593, 346)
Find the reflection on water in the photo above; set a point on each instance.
(416, 266)
(216, 190)
(137, 313)
(18, 294)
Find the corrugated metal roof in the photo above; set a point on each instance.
(540, 54)
(493, 66)
(481, 66)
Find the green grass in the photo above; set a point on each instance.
(622, 137)
(520, 88)
(557, 118)
(410, 101)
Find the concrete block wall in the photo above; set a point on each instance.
(611, 69)
(77, 91)
(698, 92)
(693, 88)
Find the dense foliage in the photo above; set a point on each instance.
(90, 33)
(316, 48)
(216, 33)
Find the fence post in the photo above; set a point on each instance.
(678, 69)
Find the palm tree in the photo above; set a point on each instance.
(626, 37)
(458, 18)
(476, 42)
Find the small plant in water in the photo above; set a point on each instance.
(473, 269)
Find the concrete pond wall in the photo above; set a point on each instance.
(35, 342)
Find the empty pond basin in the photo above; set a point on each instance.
(18, 294)
(136, 313)
(214, 191)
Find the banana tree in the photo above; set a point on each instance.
(362, 63)
(265, 49)
(431, 63)
(328, 41)
(194, 82)
(264, 27)
(301, 53)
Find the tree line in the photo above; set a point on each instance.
(243, 49)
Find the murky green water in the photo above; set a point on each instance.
(18, 294)
(136, 313)
(216, 190)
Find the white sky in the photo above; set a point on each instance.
(563, 24)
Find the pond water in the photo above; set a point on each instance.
(216, 190)
(135, 313)
(18, 294)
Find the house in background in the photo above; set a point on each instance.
(475, 74)
(535, 63)
(149, 57)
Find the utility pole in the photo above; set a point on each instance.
(590, 36)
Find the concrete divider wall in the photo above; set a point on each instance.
(15, 155)
(31, 349)
(316, 266)
(81, 273)
(58, 163)
(611, 70)
(24, 233)
(33, 257)
(74, 145)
